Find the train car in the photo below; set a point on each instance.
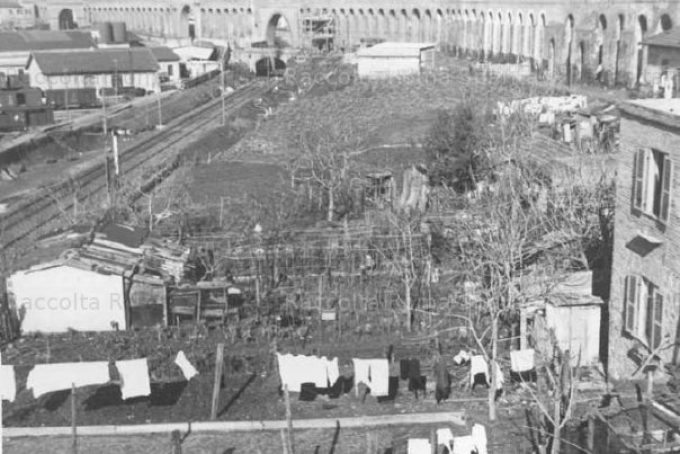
(77, 98)
(23, 117)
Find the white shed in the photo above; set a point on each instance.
(54, 297)
(391, 59)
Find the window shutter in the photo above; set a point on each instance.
(666, 189)
(658, 320)
(631, 296)
(638, 180)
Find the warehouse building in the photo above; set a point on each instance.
(118, 70)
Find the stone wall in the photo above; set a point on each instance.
(558, 35)
(662, 264)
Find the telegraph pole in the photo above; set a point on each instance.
(160, 112)
(224, 119)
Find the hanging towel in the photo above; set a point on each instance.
(316, 371)
(332, 370)
(8, 383)
(292, 371)
(522, 360)
(134, 377)
(443, 386)
(188, 369)
(419, 446)
(478, 366)
(444, 437)
(375, 373)
(46, 378)
(463, 445)
(479, 438)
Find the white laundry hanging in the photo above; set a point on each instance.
(8, 383)
(46, 378)
(183, 363)
(134, 377)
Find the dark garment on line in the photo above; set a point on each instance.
(307, 392)
(403, 368)
(414, 369)
(479, 379)
(443, 380)
(392, 390)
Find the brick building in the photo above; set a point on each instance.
(645, 286)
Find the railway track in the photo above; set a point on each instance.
(47, 206)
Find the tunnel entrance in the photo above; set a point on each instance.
(269, 67)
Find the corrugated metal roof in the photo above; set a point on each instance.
(28, 40)
(163, 53)
(103, 61)
(670, 38)
(392, 49)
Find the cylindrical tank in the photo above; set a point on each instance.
(105, 32)
(119, 32)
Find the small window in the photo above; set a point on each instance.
(643, 311)
(653, 183)
(169, 70)
(21, 99)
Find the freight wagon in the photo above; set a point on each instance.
(77, 98)
(22, 118)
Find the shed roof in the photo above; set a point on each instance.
(95, 61)
(392, 49)
(164, 54)
(30, 40)
(669, 38)
(661, 111)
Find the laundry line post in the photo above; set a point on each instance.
(219, 368)
(74, 438)
(289, 420)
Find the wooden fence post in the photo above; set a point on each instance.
(289, 420)
(219, 365)
(74, 437)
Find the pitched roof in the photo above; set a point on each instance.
(9, 4)
(138, 59)
(163, 53)
(28, 40)
(669, 38)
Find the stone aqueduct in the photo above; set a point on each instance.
(569, 38)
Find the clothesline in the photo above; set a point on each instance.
(133, 375)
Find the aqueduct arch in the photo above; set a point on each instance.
(278, 33)
(66, 21)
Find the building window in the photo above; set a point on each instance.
(644, 311)
(653, 176)
(169, 70)
(21, 99)
(89, 80)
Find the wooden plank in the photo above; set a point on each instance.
(219, 365)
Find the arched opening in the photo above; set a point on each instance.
(619, 31)
(568, 38)
(66, 21)
(551, 59)
(414, 25)
(599, 39)
(666, 23)
(640, 33)
(187, 22)
(582, 52)
(269, 66)
(278, 32)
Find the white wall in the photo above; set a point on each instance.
(147, 81)
(55, 299)
(381, 67)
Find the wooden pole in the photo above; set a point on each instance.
(219, 365)
(284, 442)
(591, 433)
(433, 441)
(289, 420)
(74, 437)
(522, 329)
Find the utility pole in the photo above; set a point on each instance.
(160, 112)
(105, 120)
(224, 119)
